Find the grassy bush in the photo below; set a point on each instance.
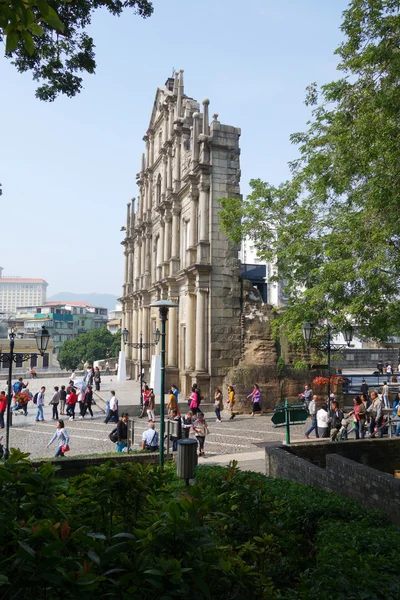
(124, 531)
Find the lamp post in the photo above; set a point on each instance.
(42, 340)
(308, 333)
(163, 306)
(140, 345)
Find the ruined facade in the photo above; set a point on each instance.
(174, 248)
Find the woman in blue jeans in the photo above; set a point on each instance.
(62, 437)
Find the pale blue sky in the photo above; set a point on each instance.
(68, 168)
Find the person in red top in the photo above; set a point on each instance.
(3, 408)
(71, 402)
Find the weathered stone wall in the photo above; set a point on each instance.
(349, 468)
(259, 356)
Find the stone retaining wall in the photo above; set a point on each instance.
(345, 468)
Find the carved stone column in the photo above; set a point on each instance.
(172, 353)
(169, 170)
(145, 329)
(135, 325)
(164, 176)
(201, 329)
(177, 164)
(126, 271)
(190, 331)
(175, 241)
(161, 246)
(167, 242)
(142, 260)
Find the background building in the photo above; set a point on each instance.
(174, 247)
(115, 319)
(255, 269)
(64, 321)
(17, 291)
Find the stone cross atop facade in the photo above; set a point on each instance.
(174, 248)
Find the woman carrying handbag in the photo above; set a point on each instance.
(62, 437)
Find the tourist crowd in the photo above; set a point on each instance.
(371, 416)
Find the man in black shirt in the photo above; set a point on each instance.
(122, 432)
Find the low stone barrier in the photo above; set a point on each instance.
(69, 467)
(361, 469)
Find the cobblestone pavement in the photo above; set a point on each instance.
(243, 435)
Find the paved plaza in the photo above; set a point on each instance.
(240, 439)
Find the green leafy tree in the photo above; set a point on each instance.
(334, 227)
(89, 346)
(50, 39)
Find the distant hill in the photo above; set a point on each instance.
(104, 300)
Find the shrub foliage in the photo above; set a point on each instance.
(126, 532)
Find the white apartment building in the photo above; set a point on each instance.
(19, 291)
(275, 292)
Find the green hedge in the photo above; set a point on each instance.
(128, 532)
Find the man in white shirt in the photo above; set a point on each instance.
(385, 394)
(323, 422)
(150, 438)
(113, 414)
(40, 404)
(312, 409)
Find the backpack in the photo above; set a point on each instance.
(17, 387)
(114, 436)
(35, 397)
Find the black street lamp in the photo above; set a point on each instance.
(308, 333)
(140, 345)
(163, 306)
(42, 339)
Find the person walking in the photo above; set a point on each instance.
(201, 430)
(323, 422)
(150, 438)
(218, 404)
(72, 399)
(3, 408)
(307, 396)
(113, 414)
(81, 399)
(97, 379)
(375, 411)
(194, 400)
(107, 369)
(177, 435)
(364, 388)
(63, 398)
(55, 401)
(122, 432)
(359, 412)
(256, 397)
(335, 419)
(187, 424)
(231, 401)
(385, 394)
(172, 404)
(40, 404)
(312, 409)
(87, 403)
(151, 405)
(62, 437)
(175, 391)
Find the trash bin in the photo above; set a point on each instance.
(187, 459)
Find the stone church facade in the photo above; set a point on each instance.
(174, 248)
